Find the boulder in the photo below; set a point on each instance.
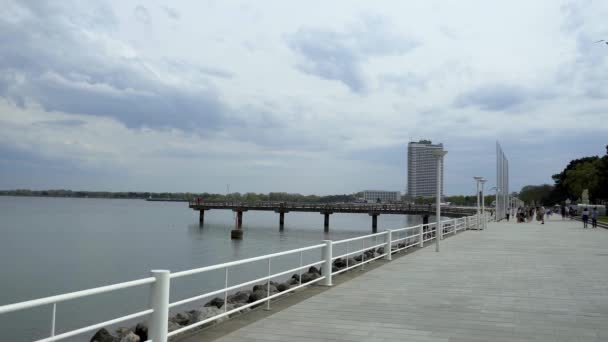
(130, 337)
(122, 332)
(334, 269)
(181, 318)
(380, 250)
(313, 269)
(210, 312)
(273, 288)
(257, 295)
(195, 316)
(340, 263)
(102, 335)
(308, 277)
(283, 287)
(352, 261)
(217, 302)
(141, 330)
(293, 281)
(230, 307)
(239, 297)
(358, 257)
(173, 326)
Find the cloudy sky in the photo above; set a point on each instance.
(297, 96)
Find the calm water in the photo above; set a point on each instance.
(55, 245)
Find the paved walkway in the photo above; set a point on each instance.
(512, 282)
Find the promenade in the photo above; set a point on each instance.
(512, 282)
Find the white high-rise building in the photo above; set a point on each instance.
(422, 169)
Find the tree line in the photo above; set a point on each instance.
(211, 197)
(584, 173)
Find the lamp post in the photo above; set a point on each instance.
(478, 179)
(483, 204)
(496, 202)
(439, 234)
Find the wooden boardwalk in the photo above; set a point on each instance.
(512, 282)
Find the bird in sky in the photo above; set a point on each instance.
(602, 40)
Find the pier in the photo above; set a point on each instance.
(327, 209)
(512, 282)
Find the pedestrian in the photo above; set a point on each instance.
(571, 213)
(541, 213)
(563, 213)
(594, 218)
(585, 217)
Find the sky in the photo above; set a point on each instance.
(296, 96)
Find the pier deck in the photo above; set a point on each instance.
(512, 282)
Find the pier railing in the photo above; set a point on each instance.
(384, 245)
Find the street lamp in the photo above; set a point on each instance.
(478, 179)
(483, 204)
(496, 202)
(439, 234)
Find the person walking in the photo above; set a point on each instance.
(594, 215)
(541, 213)
(585, 217)
(563, 213)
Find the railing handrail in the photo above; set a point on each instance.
(358, 238)
(73, 295)
(406, 228)
(243, 261)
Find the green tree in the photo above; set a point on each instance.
(537, 194)
(584, 176)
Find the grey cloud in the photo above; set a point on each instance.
(183, 66)
(142, 14)
(392, 155)
(573, 17)
(171, 12)
(493, 97)
(590, 67)
(333, 55)
(47, 60)
(403, 83)
(61, 123)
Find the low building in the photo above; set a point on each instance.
(381, 196)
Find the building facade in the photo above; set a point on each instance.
(382, 196)
(422, 169)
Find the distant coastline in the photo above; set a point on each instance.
(149, 196)
(183, 196)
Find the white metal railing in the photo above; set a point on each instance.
(392, 241)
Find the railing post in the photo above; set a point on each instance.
(159, 300)
(53, 319)
(389, 245)
(267, 289)
(327, 255)
(421, 235)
